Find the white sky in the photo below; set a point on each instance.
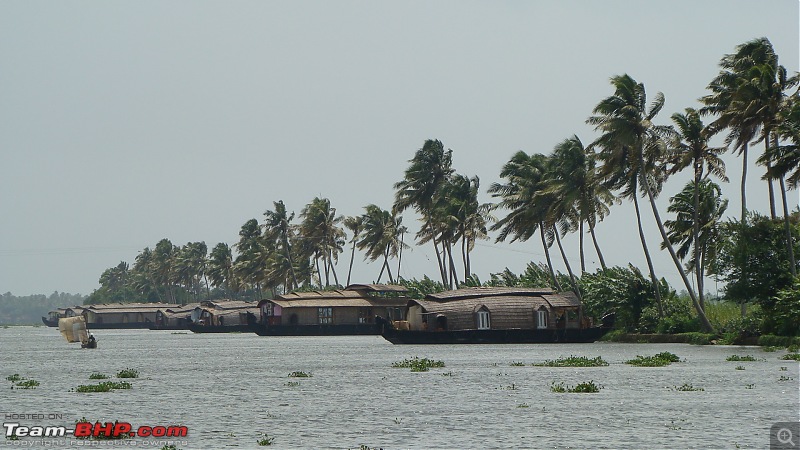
(122, 123)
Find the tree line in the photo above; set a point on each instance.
(570, 189)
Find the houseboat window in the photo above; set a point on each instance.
(325, 315)
(364, 315)
(483, 320)
(269, 309)
(542, 319)
(395, 313)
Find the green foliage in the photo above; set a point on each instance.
(777, 341)
(574, 361)
(14, 378)
(659, 360)
(783, 309)
(300, 374)
(791, 357)
(27, 384)
(742, 358)
(687, 388)
(104, 386)
(535, 275)
(128, 373)
(517, 364)
(29, 309)
(266, 440)
(420, 288)
(753, 261)
(98, 376)
(697, 338)
(417, 364)
(588, 387)
(623, 290)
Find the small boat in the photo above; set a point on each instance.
(74, 330)
(495, 315)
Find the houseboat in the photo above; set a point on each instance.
(176, 318)
(494, 315)
(222, 316)
(348, 311)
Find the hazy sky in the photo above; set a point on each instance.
(122, 123)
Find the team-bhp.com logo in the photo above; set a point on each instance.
(87, 430)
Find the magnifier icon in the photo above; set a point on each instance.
(784, 436)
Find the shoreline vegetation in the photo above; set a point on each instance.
(752, 107)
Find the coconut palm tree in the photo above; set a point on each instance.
(573, 179)
(278, 229)
(521, 196)
(381, 237)
(695, 230)
(321, 232)
(632, 148)
(692, 149)
(429, 169)
(220, 267)
(355, 224)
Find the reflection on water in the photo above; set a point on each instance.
(230, 389)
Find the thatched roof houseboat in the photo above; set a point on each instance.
(222, 316)
(493, 315)
(351, 310)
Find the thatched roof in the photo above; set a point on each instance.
(488, 292)
(352, 302)
(376, 288)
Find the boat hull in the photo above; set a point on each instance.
(195, 328)
(49, 323)
(514, 336)
(316, 330)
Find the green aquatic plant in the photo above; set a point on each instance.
(783, 369)
(293, 384)
(687, 388)
(785, 378)
(300, 374)
(587, 387)
(791, 357)
(14, 378)
(517, 364)
(750, 386)
(739, 367)
(170, 447)
(104, 386)
(743, 358)
(128, 373)
(523, 405)
(98, 376)
(574, 361)
(770, 348)
(659, 360)
(266, 440)
(417, 364)
(27, 384)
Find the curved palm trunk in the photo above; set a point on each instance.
(569, 268)
(333, 270)
(597, 247)
(789, 240)
(352, 256)
(698, 271)
(744, 217)
(653, 278)
(583, 260)
(400, 255)
(549, 261)
(772, 213)
(700, 313)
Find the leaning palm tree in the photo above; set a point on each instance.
(321, 233)
(632, 148)
(220, 268)
(355, 224)
(520, 195)
(692, 149)
(381, 237)
(278, 228)
(573, 179)
(429, 170)
(698, 212)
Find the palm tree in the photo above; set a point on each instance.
(355, 224)
(698, 212)
(278, 228)
(520, 195)
(220, 267)
(321, 232)
(164, 266)
(430, 168)
(631, 150)
(573, 179)
(691, 148)
(381, 237)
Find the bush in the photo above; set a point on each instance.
(770, 340)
